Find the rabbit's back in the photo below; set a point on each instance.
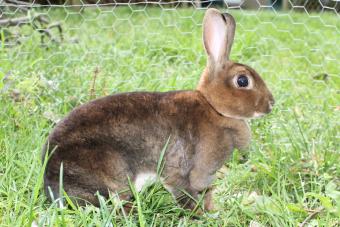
(130, 121)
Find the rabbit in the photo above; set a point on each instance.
(108, 142)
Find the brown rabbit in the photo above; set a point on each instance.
(106, 141)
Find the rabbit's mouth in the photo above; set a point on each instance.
(258, 115)
(266, 109)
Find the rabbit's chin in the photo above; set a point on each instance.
(238, 117)
(258, 115)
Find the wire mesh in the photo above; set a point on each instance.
(55, 55)
(130, 42)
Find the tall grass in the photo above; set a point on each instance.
(293, 166)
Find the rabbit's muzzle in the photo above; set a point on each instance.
(269, 105)
(266, 105)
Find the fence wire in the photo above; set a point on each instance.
(112, 46)
(58, 54)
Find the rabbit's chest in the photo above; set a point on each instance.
(180, 155)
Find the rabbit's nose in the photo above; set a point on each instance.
(271, 103)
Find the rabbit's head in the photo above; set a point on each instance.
(232, 89)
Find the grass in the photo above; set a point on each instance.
(293, 165)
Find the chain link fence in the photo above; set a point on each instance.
(58, 54)
(120, 26)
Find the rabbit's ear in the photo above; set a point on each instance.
(218, 36)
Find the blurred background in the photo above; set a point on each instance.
(56, 55)
(309, 5)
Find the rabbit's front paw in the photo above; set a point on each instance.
(208, 201)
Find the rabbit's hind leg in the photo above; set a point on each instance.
(83, 187)
(82, 193)
(78, 192)
(85, 174)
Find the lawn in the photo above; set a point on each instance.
(292, 168)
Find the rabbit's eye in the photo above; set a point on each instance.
(242, 81)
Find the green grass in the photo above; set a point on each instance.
(293, 164)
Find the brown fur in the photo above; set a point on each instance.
(102, 143)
